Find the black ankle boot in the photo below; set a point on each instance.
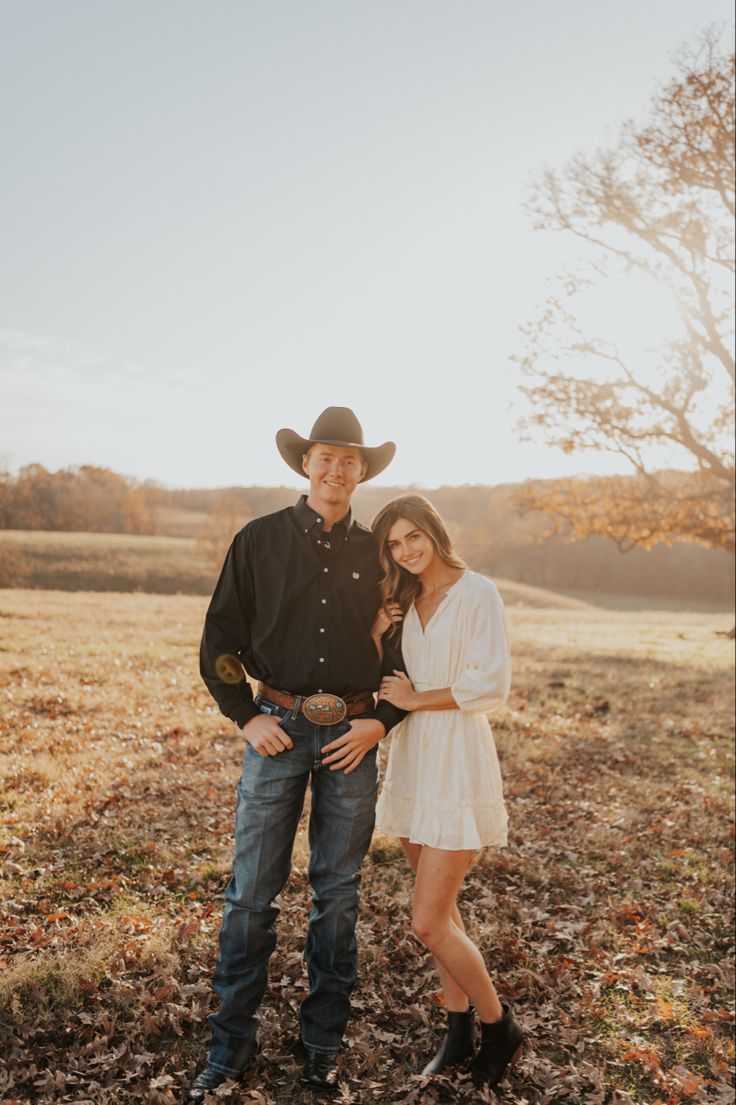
(457, 1044)
(500, 1044)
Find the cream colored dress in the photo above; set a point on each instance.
(443, 782)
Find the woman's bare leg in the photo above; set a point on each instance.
(456, 1000)
(439, 876)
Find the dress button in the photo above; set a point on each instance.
(321, 659)
(321, 629)
(319, 519)
(325, 569)
(324, 601)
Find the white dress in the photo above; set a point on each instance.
(443, 783)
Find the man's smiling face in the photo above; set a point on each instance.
(334, 472)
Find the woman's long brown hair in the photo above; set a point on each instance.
(398, 585)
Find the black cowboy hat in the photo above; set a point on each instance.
(335, 426)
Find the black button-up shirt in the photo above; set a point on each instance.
(297, 613)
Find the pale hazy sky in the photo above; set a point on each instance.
(217, 218)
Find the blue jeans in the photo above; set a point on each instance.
(271, 794)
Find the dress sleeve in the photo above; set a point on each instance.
(484, 683)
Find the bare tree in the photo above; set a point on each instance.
(657, 207)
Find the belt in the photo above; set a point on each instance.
(322, 709)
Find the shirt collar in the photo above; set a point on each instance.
(309, 518)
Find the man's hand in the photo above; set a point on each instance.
(348, 751)
(265, 735)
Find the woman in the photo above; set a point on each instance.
(443, 795)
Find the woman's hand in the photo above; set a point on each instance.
(386, 617)
(398, 690)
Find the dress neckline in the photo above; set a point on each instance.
(439, 605)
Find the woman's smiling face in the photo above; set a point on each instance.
(410, 547)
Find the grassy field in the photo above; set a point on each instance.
(607, 922)
(103, 562)
(178, 563)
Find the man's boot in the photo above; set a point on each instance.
(209, 1078)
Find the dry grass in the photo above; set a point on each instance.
(175, 522)
(607, 921)
(103, 562)
(186, 557)
(523, 594)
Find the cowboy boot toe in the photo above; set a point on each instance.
(208, 1079)
(320, 1070)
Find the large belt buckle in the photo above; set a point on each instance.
(324, 709)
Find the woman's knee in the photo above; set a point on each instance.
(427, 928)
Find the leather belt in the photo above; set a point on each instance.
(322, 709)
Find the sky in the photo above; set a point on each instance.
(219, 218)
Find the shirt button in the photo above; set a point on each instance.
(325, 569)
(319, 519)
(324, 601)
(321, 629)
(321, 659)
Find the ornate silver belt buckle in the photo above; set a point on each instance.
(324, 709)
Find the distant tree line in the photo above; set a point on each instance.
(80, 499)
(491, 532)
(496, 538)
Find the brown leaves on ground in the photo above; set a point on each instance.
(607, 922)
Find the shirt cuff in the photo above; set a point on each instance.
(388, 715)
(244, 712)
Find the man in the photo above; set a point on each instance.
(295, 603)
